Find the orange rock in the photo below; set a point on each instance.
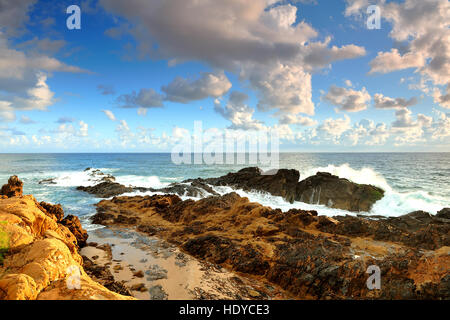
(14, 187)
(42, 256)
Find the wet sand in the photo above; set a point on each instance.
(155, 269)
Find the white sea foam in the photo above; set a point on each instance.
(394, 203)
(363, 176)
(75, 178)
(141, 181)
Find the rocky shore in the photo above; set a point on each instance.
(39, 251)
(322, 188)
(310, 256)
(222, 246)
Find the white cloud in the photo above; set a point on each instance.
(84, 129)
(239, 113)
(334, 128)
(348, 99)
(422, 26)
(261, 40)
(383, 102)
(284, 87)
(443, 99)
(109, 114)
(386, 62)
(297, 119)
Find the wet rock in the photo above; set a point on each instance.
(139, 274)
(14, 188)
(157, 293)
(106, 189)
(74, 225)
(139, 287)
(334, 192)
(279, 183)
(444, 213)
(310, 256)
(156, 273)
(47, 181)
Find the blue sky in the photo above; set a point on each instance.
(139, 73)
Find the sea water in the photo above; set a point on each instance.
(412, 181)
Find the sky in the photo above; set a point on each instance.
(138, 74)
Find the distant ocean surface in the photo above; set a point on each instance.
(412, 181)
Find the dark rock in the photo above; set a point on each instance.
(282, 183)
(157, 293)
(54, 210)
(335, 192)
(47, 181)
(444, 213)
(74, 225)
(106, 189)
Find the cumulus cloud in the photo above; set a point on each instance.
(348, 99)
(145, 98)
(443, 99)
(423, 26)
(284, 87)
(261, 40)
(383, 102)
(14, 15)
(386, 62)
(24, 68)
(297, 119)
(366, 132)
(208, 85)
(238, 112)
(334, 128)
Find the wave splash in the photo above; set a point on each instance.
(394, 203)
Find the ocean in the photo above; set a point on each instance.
(412, 181)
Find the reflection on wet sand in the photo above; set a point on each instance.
(154, 269)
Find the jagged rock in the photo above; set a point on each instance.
(74, 225)
(444, 213)
(106, 189)
(310, 256)
(42, 257)
(14, 187)
(282, 183)
(54, 210)
(323, 188)
(334, 192)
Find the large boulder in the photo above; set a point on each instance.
(282, 183)
(334, 192)
(42, 257)
(14, 188)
